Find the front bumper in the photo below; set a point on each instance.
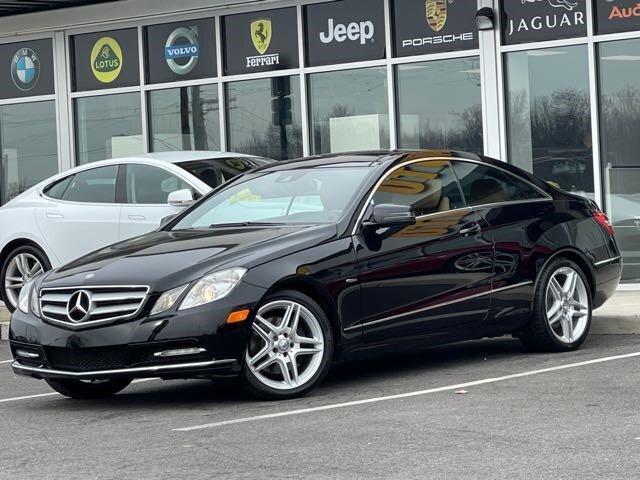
(208, 368)
(135, 348)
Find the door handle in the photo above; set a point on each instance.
(137, 217)
(54, 215)
(474, 229)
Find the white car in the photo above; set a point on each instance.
(89, 207)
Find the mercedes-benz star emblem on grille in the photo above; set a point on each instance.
(79, 306)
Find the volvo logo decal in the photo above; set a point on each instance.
(79, 306)
(187, 53)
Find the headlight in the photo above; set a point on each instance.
(167, 299)
(35, 302)
(213, 287)
(23, 297)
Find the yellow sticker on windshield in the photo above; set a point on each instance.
(245, 196)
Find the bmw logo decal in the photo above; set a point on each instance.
(182, 50)
(25, 69)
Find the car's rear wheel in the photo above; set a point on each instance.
(562, 309)
(290, 347)
(21, 265)
(89, 389)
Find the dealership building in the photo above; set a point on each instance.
(552, 86)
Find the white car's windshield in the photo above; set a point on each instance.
(311, 195)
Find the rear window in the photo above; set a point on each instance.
(217, 171)
(482, 185)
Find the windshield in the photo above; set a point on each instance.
(215, 172)
(311, 195)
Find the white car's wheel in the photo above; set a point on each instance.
(20, 265)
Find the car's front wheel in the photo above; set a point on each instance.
(562, 309)
(20, 265)
(290, 348)
(89, 389)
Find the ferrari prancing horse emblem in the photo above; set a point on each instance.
(436, 14)
(261, 34)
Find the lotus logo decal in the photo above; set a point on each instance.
(79, 306)
(436, 14)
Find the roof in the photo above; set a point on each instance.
(188, 156)
(367, 158)
(15, 7)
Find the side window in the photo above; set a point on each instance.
(97, 185)
(484, 185)
(151, 185)
(427, 187)
(56, 190)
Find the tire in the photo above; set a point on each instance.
(566, 328)
(13, 269)
(85, 390)
(290, 333)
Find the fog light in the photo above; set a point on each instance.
(25, 354)
(238, 317)
(179, 352)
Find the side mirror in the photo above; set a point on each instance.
(180, 198)
(166, 220)
(389, 215)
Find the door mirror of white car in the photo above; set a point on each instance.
(180, 198)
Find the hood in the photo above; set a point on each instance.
(166, 259)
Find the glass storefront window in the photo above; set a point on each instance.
(108, 126)
(349, 110)
(549, 116)
(264, 117)
(184, 118)
(619, 98)
(440, 105)
(28, 137)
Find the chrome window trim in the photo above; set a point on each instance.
(439, 305)
(91, 374)
(360, 217)
(608, 260)
(78, 326)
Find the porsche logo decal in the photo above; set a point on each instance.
(436, 14)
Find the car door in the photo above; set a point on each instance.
(428, 277)
(83, 214)
(516, 212)
(147, 190)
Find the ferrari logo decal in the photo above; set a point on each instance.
(261, 34)
(436, 14)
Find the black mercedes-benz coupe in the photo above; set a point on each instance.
(287, 268)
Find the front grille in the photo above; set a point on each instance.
(87, 359)
(93, 305)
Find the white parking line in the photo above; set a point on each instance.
(404, 395)
(27, 397)
(6, 361)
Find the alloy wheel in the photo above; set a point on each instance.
(22, 268)
(286, 346)
(567, 305)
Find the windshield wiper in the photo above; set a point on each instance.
(244, 224)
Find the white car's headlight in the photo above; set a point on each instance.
(213, 287)
(167, 299)
(24, 296)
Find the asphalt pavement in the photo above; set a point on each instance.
(482, 409)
